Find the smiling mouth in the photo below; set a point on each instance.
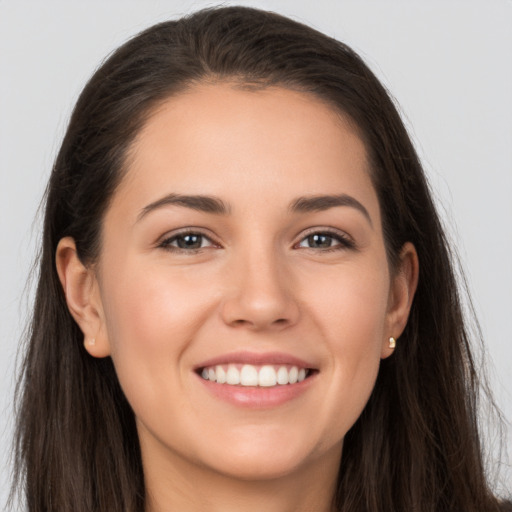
(255, 375)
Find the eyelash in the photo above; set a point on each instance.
(344, 241)
(166, 243)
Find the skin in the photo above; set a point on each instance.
(257, 284)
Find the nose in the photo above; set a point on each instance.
(260, 294)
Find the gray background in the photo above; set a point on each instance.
(448, 63)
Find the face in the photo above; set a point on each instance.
(243, 290)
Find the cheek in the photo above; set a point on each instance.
(351, 313)
(360, 327)
(149, 309)
(151, 317)
(350, 306)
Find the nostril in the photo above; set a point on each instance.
(256, 311)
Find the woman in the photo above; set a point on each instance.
(246, 300)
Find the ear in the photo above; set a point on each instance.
(401, 293)
(82, 297)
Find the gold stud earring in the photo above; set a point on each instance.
(392, 342)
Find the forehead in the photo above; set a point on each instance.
(223, 140)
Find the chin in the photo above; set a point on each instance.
(260, 468)
(263, 456)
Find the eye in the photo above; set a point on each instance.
(187, 241)
(326, 241)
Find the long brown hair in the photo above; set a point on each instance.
(416, 445)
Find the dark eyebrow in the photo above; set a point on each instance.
(211, 204)
(320, 203)
(207, 204)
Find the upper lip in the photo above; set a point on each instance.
(254, 358)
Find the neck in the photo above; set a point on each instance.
(180, 485)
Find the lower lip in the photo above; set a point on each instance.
(256, 397)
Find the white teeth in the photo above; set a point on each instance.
(221, 374)
(282, 375)
(250, 375)
(267, 376)
(232, 375)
